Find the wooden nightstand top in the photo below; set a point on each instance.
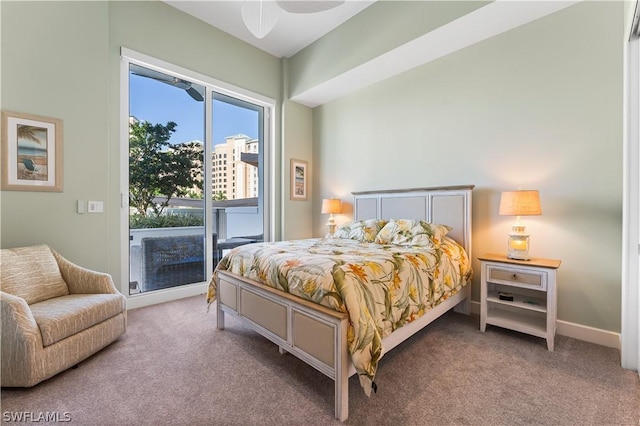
(535, 261)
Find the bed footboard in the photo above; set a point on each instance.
(315, 334)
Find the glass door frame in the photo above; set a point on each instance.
(265, 197)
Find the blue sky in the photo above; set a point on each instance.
(159, 102)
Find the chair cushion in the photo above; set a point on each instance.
(64, 316)
(31, 273)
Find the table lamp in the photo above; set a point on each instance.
(331, 206)
(519, 203)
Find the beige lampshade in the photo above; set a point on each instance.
(520, 203)
(331, 206)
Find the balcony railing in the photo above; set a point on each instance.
(177, 256)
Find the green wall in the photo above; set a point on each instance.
(55, 64)
(538, 107)
(62, 59)
(297, 143)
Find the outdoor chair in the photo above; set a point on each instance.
(169, 261)
(233, 242)
(30, 167)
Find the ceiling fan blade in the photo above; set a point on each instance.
(308, 6)
(181, 84)
(195, 94)
(260, 16)
(167, 79)
(146, 72)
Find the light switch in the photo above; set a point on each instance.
(80, 206)
(95, 207)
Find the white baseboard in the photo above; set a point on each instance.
(589, 334)
(153, 298)
(475, 307)
(577, 331)
(563, 328)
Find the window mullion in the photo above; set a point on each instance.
(207, 179)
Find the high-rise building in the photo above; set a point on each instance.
(234, 175)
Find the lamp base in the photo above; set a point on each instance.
(519, 256)
(518, 246)
(331, 224)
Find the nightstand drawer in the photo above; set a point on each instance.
(517, 277)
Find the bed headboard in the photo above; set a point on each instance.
(446, 205)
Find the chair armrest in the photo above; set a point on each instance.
(84, 281)
(20, 333)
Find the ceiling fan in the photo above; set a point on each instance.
(170, 80)
(260, 16)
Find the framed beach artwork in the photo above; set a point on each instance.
(31, 152)
(299, 180)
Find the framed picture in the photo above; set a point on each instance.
(299, 179)
(31, 152)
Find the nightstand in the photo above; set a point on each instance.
(532, 286)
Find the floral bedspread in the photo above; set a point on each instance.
(381, 286)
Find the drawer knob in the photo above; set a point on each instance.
(515, 277)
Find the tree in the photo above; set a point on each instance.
(219, 196)
(159, 169)
(29, 133)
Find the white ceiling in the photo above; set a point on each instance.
(292, 33)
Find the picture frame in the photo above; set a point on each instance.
(299, 180)
(31, 152)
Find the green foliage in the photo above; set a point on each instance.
(219, 196)
(157, 168)
(196, 195)
(138, 221)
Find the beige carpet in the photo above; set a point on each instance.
(173, 367)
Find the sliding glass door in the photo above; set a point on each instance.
(195, 177)
(237, 183)
(166, 180)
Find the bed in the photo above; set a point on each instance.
(323, 324)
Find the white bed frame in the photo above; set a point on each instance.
(318, 335)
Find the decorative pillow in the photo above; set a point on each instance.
(32, 273)
(360, 230)
(408, 232)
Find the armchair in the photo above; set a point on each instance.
(54, 314)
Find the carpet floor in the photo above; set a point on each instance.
(172, 367)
